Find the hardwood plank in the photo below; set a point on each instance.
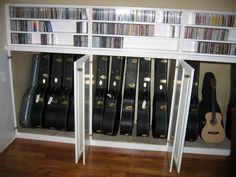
(27, 158)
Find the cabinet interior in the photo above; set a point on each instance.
(21, 70)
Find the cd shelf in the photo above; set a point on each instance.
(42, 25)
(206, 33)
(130, 15)
(210, 33)
(123, 29)
(170, 30)
(31, 25)
(222, 20)
(48, 13)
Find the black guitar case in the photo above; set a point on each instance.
(39, 100)
(71, 117)
(205, 104)
(27, 101)
(64, 99)
(54, 92)
(128, 108)
(143, 116)
(100, 92)
(160, 117)
(111, 116)
(232, 101)
(192, 125)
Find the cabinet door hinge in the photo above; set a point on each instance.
(187, 76)
(9, 57)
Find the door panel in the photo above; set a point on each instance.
(7, 132)
(179, 112)
(174, 110)
(87, 105)
(79, 97)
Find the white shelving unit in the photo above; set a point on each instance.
(117, 31)
(209, 32)
(47, 25)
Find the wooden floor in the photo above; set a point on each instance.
(28, 158)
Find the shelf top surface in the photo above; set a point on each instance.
(124, 52)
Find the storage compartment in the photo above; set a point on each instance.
(223, 83)
(128, 132)
(197, 145)
(23, 72)
(133, 42)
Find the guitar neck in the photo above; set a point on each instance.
(213, 109)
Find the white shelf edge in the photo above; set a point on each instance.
(209, 151)
(51, 32)
(154, 147)
(210, 41)
(121, 7)
(127, 145)
(48, 19)
(56, 138)
(48, 5)
(49, 48)
(125, 52)
(118, 35)
(124, 22)
(208, 26)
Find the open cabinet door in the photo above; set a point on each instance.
(179, 112)
(7, 123)
(81, 97)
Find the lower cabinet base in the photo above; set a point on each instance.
(128, 142)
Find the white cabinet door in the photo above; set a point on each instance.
(81, 97)
(179, 112)
(7, 132)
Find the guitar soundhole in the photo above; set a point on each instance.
(213, 133)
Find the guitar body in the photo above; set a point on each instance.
(213, 132)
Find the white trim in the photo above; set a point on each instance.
(124, 52)
(127, 52)
(6, 145)
(209, 151)
(52, 138)
(119, 7)
(126, 145)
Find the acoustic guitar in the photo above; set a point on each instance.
(213, 131)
